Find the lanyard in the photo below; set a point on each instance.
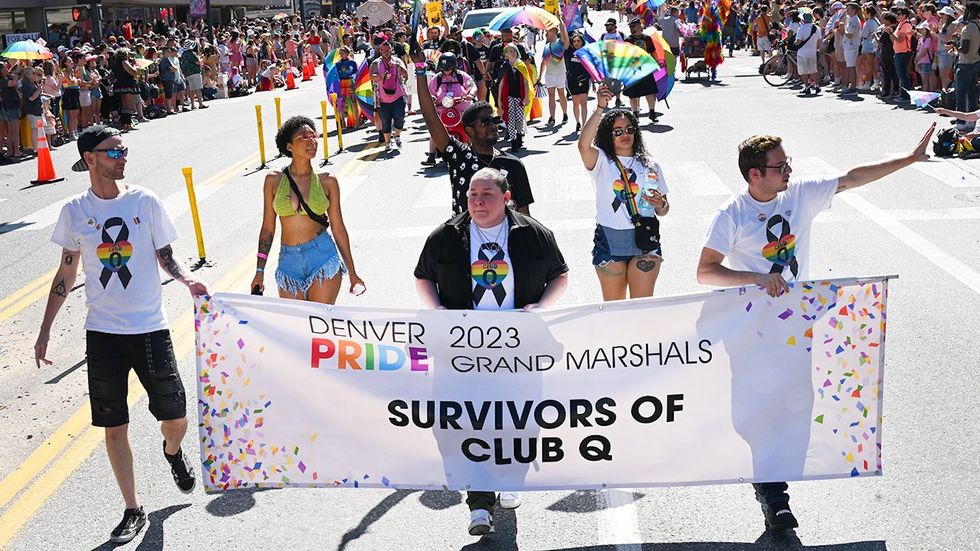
(630, 201)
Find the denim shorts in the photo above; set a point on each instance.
(611, 245)
(9, 113)
(151, 356)
(924, 68)
(300, 266)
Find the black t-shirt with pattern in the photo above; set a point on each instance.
(463, 163)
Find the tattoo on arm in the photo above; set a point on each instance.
(265, 245)
(170, 265)
(60, 289)
(69, 258)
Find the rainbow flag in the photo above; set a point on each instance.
(417, 10)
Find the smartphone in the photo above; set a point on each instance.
(615, 85)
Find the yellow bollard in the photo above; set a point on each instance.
(278, 113)
(326, 146)
(340, 131)
(258, 120)
(194, 214)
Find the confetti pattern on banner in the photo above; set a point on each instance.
(234, 451)
(846, 359)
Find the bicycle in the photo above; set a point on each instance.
(782, 67)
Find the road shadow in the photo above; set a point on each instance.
(438, 501)
(153, 537)
(658, 128)
(8, 227)
(504, 536)
(768, 541)
(57, 378)
(526, 152)
(584, 501)
(236, 502)
(373, 516)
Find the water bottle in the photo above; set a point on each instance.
(643, 205)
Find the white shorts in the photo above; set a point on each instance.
(807, 64)
(850, 58)
(85, 98)
(195, 82)
(555, 79)
(763, 44)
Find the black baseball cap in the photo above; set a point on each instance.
(89, 139)
(611, 21)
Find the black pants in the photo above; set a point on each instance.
(481, 500)
(889, 80)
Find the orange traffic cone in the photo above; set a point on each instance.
(45, 168)
(306, 72)
(290, 79)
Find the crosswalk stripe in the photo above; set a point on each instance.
(952, 173)
(695, 177)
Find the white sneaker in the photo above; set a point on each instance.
(398, 142)
(510, 500)
(389, 146)
(481, 522)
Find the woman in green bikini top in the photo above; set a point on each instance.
(311, 260)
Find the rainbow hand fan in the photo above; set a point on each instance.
(364, 91)
(615, 59)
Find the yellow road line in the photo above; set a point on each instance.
(82, 446)
(17, 301)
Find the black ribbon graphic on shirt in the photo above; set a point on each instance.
(782, 251)
(623, 195)
(489, 278)
(115, 261)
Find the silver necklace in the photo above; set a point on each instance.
(495, 245)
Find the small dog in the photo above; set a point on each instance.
(701, 68)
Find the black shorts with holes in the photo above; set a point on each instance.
(151, 356)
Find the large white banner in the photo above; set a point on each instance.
(721, 387)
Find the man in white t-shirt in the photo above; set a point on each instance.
(121, 234)
(764, 233)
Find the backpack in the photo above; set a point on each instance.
(945, 145)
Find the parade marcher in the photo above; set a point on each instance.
(553, 69)
(514, 94)
(463, 160)
(626, 256)
(122, 236)
(764, 233)
(710, 33)
(311, 262)
(646, 87)
(670, 30)
(497, 59)
(388, 73)
(579, 80)
(488, 235)
(452, 91)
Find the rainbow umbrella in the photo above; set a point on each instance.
(622, 61)
(364, 91)
(528, 15)
(26, 49)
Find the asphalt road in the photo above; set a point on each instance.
(57, 490)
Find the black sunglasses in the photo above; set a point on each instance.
(617, 132)
(782, 167)
(489, 121)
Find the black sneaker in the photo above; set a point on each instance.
(133, 521)
(780, 517)
(564, 118)
(181, 469)
(429, 161)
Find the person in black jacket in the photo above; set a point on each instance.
(490, 258)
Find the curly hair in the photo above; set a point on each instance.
(604, 138)
(288, 131)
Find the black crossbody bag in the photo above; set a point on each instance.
(646, 230)
(319, 218)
